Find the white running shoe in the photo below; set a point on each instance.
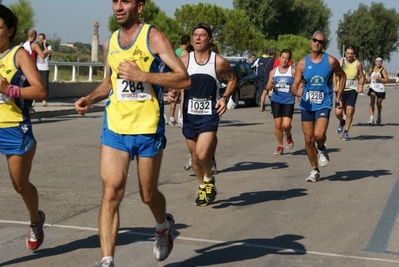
(371, 121)
(164, 241)
(323, 158)
(188, 165)
(313, 177)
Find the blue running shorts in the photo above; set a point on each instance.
(307, 115)
(143, 145)
(348, 98)
(16, 140)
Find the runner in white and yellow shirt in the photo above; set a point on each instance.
(354, 79)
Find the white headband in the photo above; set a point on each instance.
(378, 59)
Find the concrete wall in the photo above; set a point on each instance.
(70, 89)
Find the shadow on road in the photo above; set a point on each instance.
(372, 137)
(251, 198)
(353, 175)
(246, 249)
(246, 166)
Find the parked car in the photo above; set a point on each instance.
(247, 82)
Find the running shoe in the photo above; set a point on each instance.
(290, 142)
(214, 169)
(210, 189)
(313, 177)
(340, 127)
(371, 121)
(164, 241)
(279, 150)
(188, 165)
(104, 263)
(201, 199)
(323, 158)
(35, 235)
(378, 119)
(345, 136)
(172, 121)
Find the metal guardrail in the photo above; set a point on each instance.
(90, 65)
(74, 66)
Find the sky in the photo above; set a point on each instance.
(72, 20)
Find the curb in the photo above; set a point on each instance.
(62, 112)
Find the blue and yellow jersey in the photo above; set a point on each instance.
(134, 107)
(13, 112)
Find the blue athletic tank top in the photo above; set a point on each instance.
(200, 99)
(282, 87)
(318, 87)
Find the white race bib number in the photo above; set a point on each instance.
(315, 97)
(199, 106)
(282, 88)
(350, 84)
(132, 91)
(378, 87)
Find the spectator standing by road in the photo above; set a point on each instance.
(251, 58)
(377, 78)
(32, 47)
(268, 68)
(263, 65)
(134, 124)
(17, 142)
(317, 69)
(181, 51)
(43, 63)
(203, 108)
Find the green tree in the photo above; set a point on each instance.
(298, 45)
(190, 15)
(372, 30)
(239, 40)
(112, 24)
(278, 17)
(231, 30)
(25, 14)
(55, 42)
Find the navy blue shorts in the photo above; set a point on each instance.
(191, 133)
(143, 145)
(348, 98)
(378, 94)
(307, 115)
(16, 140)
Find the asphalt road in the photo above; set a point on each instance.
(265, 213)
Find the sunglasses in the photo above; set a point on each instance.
(317, 41)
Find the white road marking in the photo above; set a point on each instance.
(217, 242)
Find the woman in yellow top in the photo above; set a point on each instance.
(17, 142)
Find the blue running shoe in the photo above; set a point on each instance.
(345, 136)
(340, 127)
